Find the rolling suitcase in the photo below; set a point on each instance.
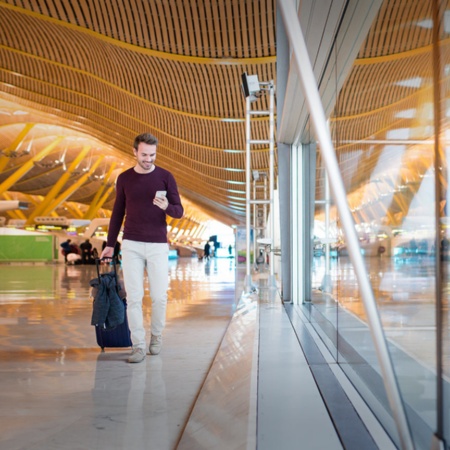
(110, 331)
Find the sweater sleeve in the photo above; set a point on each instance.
(175, 208)
(115, 223)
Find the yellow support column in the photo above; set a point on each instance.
(3, 162)
(54, 191)
(100, 202)
(170, 221)
(68, 192)
(200, 230)
(194, 230)
(74, 210)
(94, 207)
(173, 224)
(191, 225)
(26, 167)
(180, 226)
(4, 159)
(186, 228)
(34, 200)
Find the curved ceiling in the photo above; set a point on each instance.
(385, 117)
(79, 80)
(384, 92)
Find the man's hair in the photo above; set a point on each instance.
(147, 138)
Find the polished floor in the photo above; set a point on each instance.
(405, 292)
(58, 391)
(404, 289)
(237, 371)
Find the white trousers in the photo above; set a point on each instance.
(136, 258)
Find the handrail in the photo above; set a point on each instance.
(310, 90)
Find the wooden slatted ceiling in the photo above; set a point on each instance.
(96, 65)
(155, 79)
(383, 83)
(229, 28)
(392, 81)
(110, 118)
(397, 28)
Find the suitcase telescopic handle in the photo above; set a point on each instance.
(98, 262)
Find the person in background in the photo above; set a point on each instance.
(75, 249)
(65, 248)
(207, 251)
(144, 243)
(86, 252)
(73, 259)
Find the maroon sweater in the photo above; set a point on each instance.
(144, 221)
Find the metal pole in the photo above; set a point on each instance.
(248, 277)
(265, 205)
(326, 282)
(438, 74)
(327, 225)
(255, 224)
(272, 281)
(298, 46)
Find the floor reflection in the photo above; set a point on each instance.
(404, 289)
(57, 389)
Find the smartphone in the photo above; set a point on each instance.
(160, 194)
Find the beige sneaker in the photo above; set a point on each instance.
(155, 345)
(137, 356)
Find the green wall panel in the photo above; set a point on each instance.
(27, 248)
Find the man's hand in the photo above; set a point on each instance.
(161, 202)
(107, 252)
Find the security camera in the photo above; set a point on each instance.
(250, 86)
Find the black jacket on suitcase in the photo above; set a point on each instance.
(109, 310)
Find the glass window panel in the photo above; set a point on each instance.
(383, 127)
(442, 75)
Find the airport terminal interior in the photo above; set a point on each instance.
(309, 144)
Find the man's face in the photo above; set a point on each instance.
(145, 156)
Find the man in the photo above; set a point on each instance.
(206, 251)
(65, 248)
(86, 252)
(144, 243)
